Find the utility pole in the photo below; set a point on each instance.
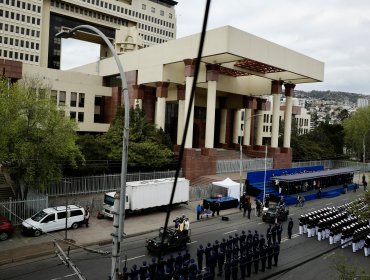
(67, 261)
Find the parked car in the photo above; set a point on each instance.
(6, 228)
(275, 214)
(54, 218)
(174, 240)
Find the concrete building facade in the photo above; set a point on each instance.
(28, 27)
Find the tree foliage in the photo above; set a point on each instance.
(36, 140)
(148, 146)
(357, 129)
(324, 142)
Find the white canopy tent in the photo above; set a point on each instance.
(233, 188)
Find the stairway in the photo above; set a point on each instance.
(5, 190)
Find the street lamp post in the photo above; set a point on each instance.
(117, 225)
(241, 152)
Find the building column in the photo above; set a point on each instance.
(276, 92)
(223, 120)
(189, 75)
(212, 78)
(138, 96)
(259, 117)
(160, 110)
(236, 126)
(248, 104)
(289, 90)
(180, 113)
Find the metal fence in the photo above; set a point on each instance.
(206, 191)
(99, 184)
(233, 166)
(331, 164)
(19, 210)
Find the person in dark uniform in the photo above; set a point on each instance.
(270, 255)
(236, 251)
(207, 252)
(249, 236)
(236, 239)
(161, 264)
(234, 269)
(152, 268)
(279, 230)
(228, 253)
(242, 238)
(256, 240)
(143, 271)
(249, 244)
(199, 275)
(256, 259)
(249, 209)
(263, 257)
(176, 273)
(134, 272)
(290, 228)
(243, 265)
(273, 233)
(217, 207)
(223, 244)
(125, 274)
(276, 251)
(212, 263)
(170, 263)
(220, 261)
(230, 241)
(261, 242)
(200, 252)
(227, 269)
(269, 234)
(249, 262)
(185, 269)
(193, 267)
(215, 246)
(245, 208)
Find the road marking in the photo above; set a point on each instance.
(311, 209)
(329, 255)
(329, 203)
(134, 258)
(291, 214)
(286, 238)
(66, 276)
(230, 231)
(345, 199)
(260, 223)
(192, 242)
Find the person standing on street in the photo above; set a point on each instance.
(276, 253)
(200, 252)
(269, 234)
(87, 216)
(273, 233)
(290, 228)
(199, 211)
(249, 209)
(365, 185)
(217, 206)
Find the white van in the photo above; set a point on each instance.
(54, 218)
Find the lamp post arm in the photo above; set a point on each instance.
(117, 237)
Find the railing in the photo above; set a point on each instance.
(19, 210)
(332, 164)
(233, 166)
(203, 192)
(99, 184)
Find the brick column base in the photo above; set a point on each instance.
(198, 163)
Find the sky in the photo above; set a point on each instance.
(336, 32)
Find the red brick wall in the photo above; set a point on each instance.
(11, 69)
(198, 163)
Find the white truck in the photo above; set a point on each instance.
(142, 195)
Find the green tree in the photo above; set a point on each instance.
(36, 140)
(356, 130)
(148, 146)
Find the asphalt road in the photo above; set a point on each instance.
(294, 252)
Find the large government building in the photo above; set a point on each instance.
(244, 89)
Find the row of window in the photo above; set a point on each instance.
(80, 97)
(19, 56)
(22, 5)
(19, 43)
(267, 128)
(20, 17)
(20, 30)
(80, 116)
(152, 9)
(117, 9)
(152, 38)
(301, 121)
(156, 30)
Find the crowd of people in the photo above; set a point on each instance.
(235, 257)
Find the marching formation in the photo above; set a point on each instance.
(338, 224)
(234, 257)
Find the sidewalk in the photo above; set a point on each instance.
(20, 247)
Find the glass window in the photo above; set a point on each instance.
(54, 96)
(72, 115)
(49, 218)
(80, 117)
(73, 99)
(62, 98)
(76, 213)
(153, 10)
(162, 13)
(81, 100)
(61, 215)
